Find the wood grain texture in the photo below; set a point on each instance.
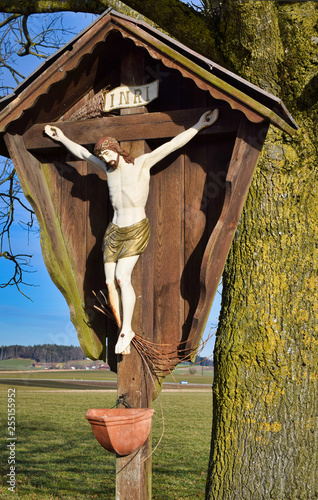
(130, 127)
(133, 478)
(246, 150)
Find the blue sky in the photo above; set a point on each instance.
(46, 318)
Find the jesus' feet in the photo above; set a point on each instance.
(123, 343)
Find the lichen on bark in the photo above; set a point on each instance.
(264, 439)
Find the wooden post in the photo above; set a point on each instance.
(133, 478)
(133, 473)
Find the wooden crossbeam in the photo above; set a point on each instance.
(131, 128)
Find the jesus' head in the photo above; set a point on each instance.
(110, 144)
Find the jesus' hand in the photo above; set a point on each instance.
(54, 132)
(208, 118)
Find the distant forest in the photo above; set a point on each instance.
(52, 353)
(47, 353)
(202, 361)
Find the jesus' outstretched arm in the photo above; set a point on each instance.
(206, 120)
(74, 148)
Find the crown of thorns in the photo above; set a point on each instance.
(106, 143)
(111, 144)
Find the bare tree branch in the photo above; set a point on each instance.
(23, 36)
(25, 50)
(7, 52)
(20, 37)
(42, 41)
(11, 196)
(9, 19)
(19, 261)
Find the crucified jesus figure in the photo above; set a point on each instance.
(127, 235)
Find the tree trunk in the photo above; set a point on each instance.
(264, 436)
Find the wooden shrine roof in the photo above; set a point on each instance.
(255, 103)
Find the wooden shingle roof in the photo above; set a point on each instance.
(254, 102)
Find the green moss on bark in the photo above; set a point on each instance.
(264, 442)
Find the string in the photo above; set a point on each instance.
(161, 409)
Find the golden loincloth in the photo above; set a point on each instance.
(120, 242)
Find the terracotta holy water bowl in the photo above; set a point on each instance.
(120, 430)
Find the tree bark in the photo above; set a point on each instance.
(264, 437)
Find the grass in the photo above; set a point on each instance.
(179, 375)
(55, 384)
(16, 364)
(58, 458)
(207, 378)
(62, 375)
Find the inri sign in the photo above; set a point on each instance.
(130, 97)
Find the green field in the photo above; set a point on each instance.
(181, 373)
(58, 458)
(16, 364)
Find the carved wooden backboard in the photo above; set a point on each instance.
(195, 199)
